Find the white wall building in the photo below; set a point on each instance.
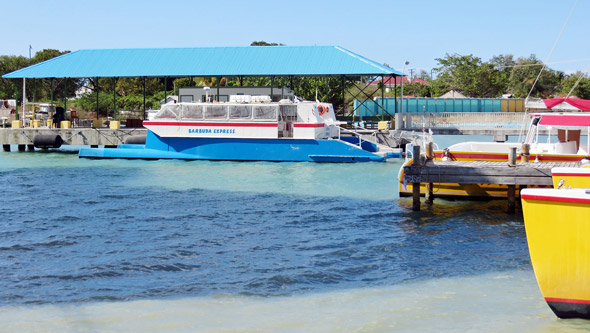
(197, 94)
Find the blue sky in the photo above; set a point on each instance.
(385, 31)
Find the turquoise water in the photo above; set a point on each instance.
(210, 246)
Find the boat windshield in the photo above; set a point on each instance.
(168, 111)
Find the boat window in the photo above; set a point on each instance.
(289, 112)
(240, 111)
(168, 111)
(192, 111)
(265, 112)
(216, 112)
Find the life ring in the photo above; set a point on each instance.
(322, 109)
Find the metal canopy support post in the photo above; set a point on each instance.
(65, 93)
(382, 96)
(24, 98)
(344, 95)
(272, 84)
(114, 98)
(218, 83)
(395, 91)
(15, 96)
(327, 85)
(97, 92)
(165, 89)
(144, 97)
(51, 88)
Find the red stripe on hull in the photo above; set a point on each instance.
(566, 300)
(556, 199)
(501, 157)
(212, 124)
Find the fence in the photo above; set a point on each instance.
(464, 120)
(372, 108)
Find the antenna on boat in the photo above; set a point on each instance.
(543, 68)
(206, 93)
(316, 95)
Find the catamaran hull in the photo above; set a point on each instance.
(236, 149)
(558, 236)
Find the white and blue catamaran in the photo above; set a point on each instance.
(248, 128)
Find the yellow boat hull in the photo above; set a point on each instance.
(571, 177)
(557, 224)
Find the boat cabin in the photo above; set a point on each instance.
(569, 127)
(247, 117)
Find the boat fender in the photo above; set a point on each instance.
(135, 140)
(45, 141)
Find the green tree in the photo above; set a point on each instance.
(582, 88)
(9, 87)
(467, 74)
(523, 76)
(503, 64)
(130, 86)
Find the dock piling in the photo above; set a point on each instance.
(512, 157)
(511, 199)
(429, 157)
(416, 186)
(525, 152)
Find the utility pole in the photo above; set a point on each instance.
(402, 92)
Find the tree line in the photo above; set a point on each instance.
(466, 73)
(503, 74)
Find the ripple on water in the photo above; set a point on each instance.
(124, 230)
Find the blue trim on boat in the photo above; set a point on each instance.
(366, 145)
(237, 149)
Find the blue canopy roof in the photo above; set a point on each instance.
(206, 61)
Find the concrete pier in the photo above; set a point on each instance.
(23, 137)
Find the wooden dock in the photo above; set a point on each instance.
(478, 172)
